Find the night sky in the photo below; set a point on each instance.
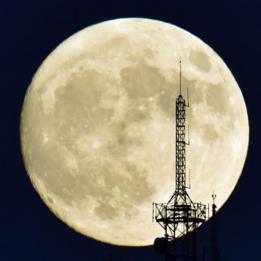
(30, 30)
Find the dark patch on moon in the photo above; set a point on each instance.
(77, 104)
(125, 138)
(217, 98)
(200, 60)
(139, 189)
(106, 211)
(209, 133)
(85, 91)
(141, 80)
(139, 111)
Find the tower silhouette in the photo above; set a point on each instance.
(180, 216)
(214, 248)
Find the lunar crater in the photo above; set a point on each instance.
(141, 80)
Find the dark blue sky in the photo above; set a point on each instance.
(31, 29)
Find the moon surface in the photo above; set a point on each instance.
(98, 127)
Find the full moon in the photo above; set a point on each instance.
(98, 127)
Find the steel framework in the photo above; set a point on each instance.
(180, 216)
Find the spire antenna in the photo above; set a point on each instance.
(180, 77)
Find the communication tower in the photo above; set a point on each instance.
(180, 216)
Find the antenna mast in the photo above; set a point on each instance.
(214, 249)
(180, 77)
(180, 216)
